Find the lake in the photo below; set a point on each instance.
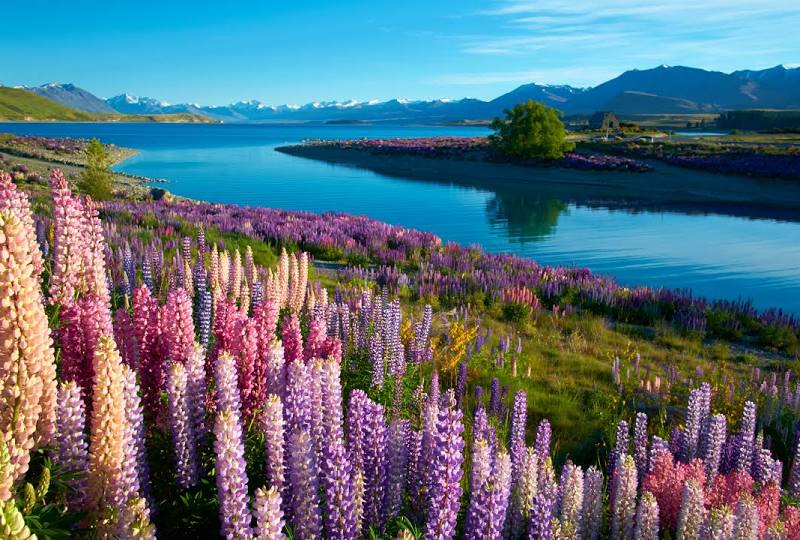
(716, 255)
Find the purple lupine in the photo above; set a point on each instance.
(479, 397)
(356, 418)
(332, 399)
(693, 513)
(227, 385)
(480, 475)
(647, 520)
(623, 505)
(268, 514)
(297, 414)
(746, 438)
(746, 521)
(375, 464)
(657, 444)
(592, 503)
(489, 501)
(444, 489)
(340, 515)
(315, 410)
(136, 450)
(72, 449)
(540, 526)
(398, 462)
(271, 425)
(433, 395)
(304, 482)
(620, 446)
(461, 384)
(204, 317)
(415, 477)
(196, 391)
(524, 489)
(494, 397)
(231, 476)
(640, 443)
(695, 416)
(714, 443)
(542, 443)
(180, 423)
(376, 355)
(519, 416)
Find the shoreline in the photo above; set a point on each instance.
(665, 187)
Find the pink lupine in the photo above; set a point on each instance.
(69, 241)
(768, 501)
(247, 357)
(15, 201)
(177, 326)
(292, 339)
(125, 335)
(317, 332)
(666, 483)
(151, 362)
(727, 489)
(94, 273)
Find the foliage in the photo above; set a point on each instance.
(530, 131)
(96, 178)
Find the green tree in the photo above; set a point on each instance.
(530, 130)
(96, 177)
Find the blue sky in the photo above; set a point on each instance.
(295, 52)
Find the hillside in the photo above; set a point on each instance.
(71, 96)
(17, 104)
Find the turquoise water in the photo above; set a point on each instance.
(716, 255)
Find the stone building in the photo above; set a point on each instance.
(604, 121)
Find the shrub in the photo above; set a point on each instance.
(530, 130)
(96, 178)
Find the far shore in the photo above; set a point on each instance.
(664, 188)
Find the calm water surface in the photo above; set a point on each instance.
(717, 256)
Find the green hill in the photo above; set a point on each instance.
(20, 105)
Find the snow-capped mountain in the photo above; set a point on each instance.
(72, 96)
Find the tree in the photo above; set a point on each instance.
(96, 177)
(530, 130)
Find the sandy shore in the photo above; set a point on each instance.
(666, 187)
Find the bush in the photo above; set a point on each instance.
(96, 177)
(530, 131)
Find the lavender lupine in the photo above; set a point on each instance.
(525, 487)
(713, 449)
(623, 509)
(446, 470)
(519, 416)
(490, 489)
(356, 419)
(231, 476)
(196, 391)
(375, 464)
(297, 413)
(397, 464)
(647, 521)
(340, 517)
(461, 383)
(746, 438)
(746, 522)
(268, 514)
(271, 425)
(542, 443)
(181, 426)
(204, 316)
(543, 510)
(620, 446)
(794, 478)
(696, 413)
(693, 513)
(640, 443)
(137, 449)
(494, 397)
(72, 450)
(571, 502)
(592, 503)
(302, 469)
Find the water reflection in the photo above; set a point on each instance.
(525, 216)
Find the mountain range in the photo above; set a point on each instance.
(661, 90)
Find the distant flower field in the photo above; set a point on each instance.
(181, 369)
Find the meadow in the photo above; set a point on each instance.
(185, 369)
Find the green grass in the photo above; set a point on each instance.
(17, 104)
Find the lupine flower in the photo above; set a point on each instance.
(713, 450)
(27, 366)
(196, 391)
(490, 489)
(72, 451)
(445, 488)
(541, 522)
(620, 446)
(375, 464)
(623, 511)
(719, 525)
(571, 500)
(592, 503)
(746, 519)
(181, 426)
(123, 334)
(151, 369)
(397, 463)
(69, 241)
(231, 476)
(111, 474)
(461, 383)
(744, 454)
(297, 413)
(305, 486)
(640, 443)
(524, 490)
(666, 483)
(693, 513)
(494, 397)
(647, 518)
(177, 326)
(268, 513)
(271, 424)
(135, 449)
(292, 339)
(340, 518)
(542, 444)
(519, 417)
